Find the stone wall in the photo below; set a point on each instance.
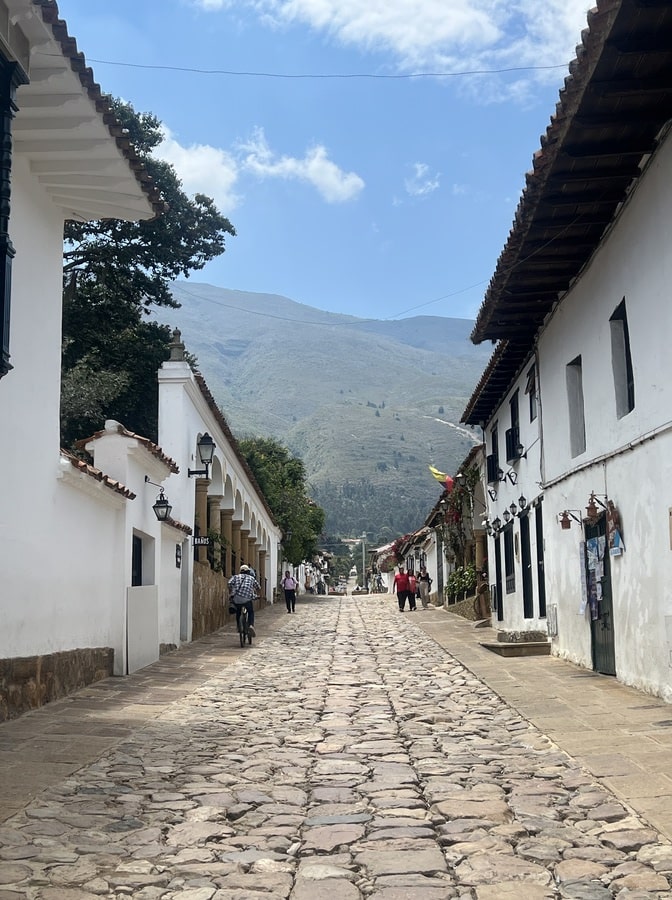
(211, 601)
(29, 682)
(464, 608)
(210, 604)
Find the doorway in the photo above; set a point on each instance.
(598, 579)
(526, 565)
(541, 578)
(498, 580)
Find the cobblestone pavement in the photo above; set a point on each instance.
(345, 756)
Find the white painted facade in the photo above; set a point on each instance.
(627, 459)
(58, 543)
(67, 530)
(185, 414)
(519, 477)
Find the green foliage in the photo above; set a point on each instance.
(282, 479)
(363, 506)
(114, 273)
(461, 581)
(459, 515)
(86, 391)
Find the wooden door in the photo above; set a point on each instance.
(526, 565)
(598, 575)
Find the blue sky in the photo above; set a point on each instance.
(380, 194)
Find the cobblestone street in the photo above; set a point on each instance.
(344, 755)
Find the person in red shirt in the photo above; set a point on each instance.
(413, 586)
(402, 588)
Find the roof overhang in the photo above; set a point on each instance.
(65, 126)
(615, 106)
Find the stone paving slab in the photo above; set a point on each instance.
(346, 755)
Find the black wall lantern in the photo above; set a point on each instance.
(206, 450)
(162, 508)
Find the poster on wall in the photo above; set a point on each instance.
(594, 555)
(584, 583)
(614, 530)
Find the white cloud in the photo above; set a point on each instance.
(443, 35)
(421, 183)
(315, 168)
(203, 169)
(217, 173)
(211, 5)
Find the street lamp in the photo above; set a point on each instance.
(206, 450)
(162, 508)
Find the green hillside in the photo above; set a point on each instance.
(367, 404)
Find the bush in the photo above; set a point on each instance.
(461, 581)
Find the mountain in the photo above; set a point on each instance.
(367, 404)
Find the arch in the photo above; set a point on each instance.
(238, 507)
(227, 493)
(216, 477)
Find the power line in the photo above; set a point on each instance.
(325, 75)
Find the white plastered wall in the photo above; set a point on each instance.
(58, 575)
(184, 416)
(527, 472)
(630, 459)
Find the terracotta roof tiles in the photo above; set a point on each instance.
(150, 446)
(87, 469)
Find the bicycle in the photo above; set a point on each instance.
(244, 627)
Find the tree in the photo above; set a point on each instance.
(282, 479)
(114, 272)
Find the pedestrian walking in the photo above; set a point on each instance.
(289, 586)
(401, 588)
(425, 586)
(243, 588)
(413, 586)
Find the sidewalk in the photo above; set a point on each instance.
(620, 735)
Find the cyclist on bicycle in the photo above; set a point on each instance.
(243, 588)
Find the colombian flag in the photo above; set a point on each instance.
(445, 480)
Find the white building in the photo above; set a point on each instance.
(227, 504)
(66, 159)
(575, 403)
(92, 583)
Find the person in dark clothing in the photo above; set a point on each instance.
(289, 586)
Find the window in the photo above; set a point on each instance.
(509, 572)
(136, 561)
(531, 391)
(492, 461)
(577, 422)
(621, 362)
(512, 434)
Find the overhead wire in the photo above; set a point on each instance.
(382, 76)
(340, 75)
(358, 321)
